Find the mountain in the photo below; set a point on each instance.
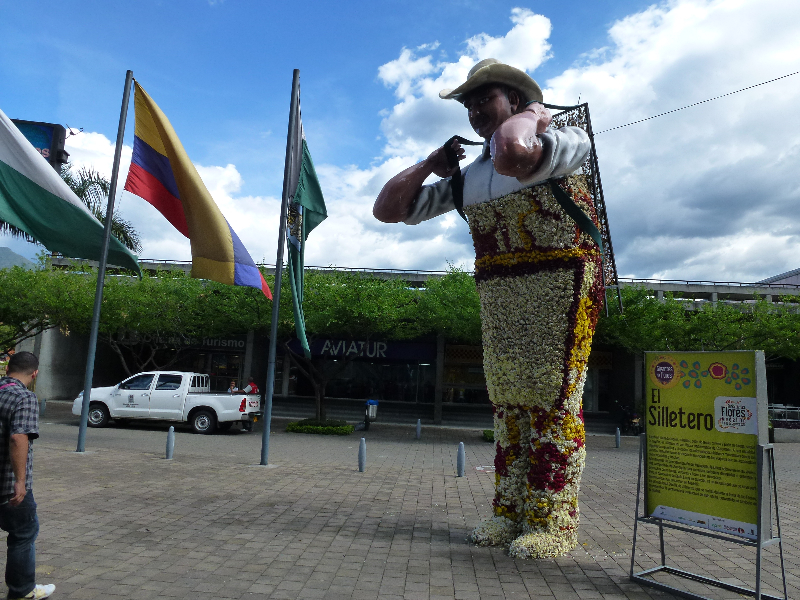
(9, 258)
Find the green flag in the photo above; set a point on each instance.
(34, 199)
(306, 211)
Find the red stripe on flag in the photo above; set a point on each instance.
(265, 287)
(146, 186)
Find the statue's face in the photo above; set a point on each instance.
(488, 107)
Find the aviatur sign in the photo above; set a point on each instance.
(369, 349)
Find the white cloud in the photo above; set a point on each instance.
(421, 121)
(414, 127)
(254, 218)
(707, 193)
(404, 71)
(525, 46)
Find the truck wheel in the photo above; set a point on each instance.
(98, 415)
(204, 421)
(225, 426)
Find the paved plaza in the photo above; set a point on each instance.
(120, 521)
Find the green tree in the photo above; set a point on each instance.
(21, 313)
(650, 324)
(149, 323)
(32, 301)
(348, 306)
(140, 319)
(450, 306)
(92, 188)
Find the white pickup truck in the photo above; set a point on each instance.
(171, 396)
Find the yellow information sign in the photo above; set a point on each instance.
(702, 425)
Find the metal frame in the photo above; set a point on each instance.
(765, 453)
(578, 116)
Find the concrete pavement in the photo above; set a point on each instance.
(120, 521)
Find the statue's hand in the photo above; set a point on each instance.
(542, 114)
(515, 147)
(437, 160)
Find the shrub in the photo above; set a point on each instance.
(329, 427)
(488, 435)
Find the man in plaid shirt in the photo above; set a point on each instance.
(19, 426)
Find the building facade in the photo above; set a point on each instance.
(428, 378)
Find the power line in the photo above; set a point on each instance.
(696, 103)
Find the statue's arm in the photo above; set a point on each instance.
(516, 147)
(398, 195)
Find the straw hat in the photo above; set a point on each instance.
(491, 70)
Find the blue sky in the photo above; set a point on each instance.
(222, 71)
(703, 194)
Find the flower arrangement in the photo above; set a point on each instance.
(540, 283)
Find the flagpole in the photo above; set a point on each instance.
(101, 270)
(276, 296)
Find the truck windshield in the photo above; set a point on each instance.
(138, 382)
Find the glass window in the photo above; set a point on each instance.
(465, 395)
(396, 381)
(225, 367)
(137, 382)
(169, 382)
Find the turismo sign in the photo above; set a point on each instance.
(702, 424)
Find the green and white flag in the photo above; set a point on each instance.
(36, 200)
(306, 211)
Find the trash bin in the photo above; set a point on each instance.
(370, 412)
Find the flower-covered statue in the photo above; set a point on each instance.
(539, 278)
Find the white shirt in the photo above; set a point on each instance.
(564, 150)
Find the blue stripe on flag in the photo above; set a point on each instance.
(156, 164)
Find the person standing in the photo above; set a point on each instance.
(19, 426)
(250, 388)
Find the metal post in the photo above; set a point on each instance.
(616, 439)
(170, 442)
(760, 518)
(777, 517)
(638, 492)
(419, 428)
(276, 294)
(461, 460)
(439, 389)
(101, 269)
(362, 455)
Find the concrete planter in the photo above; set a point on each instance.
(786, 435)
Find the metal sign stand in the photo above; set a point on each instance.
(765, 460)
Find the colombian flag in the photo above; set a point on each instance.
(162, 174)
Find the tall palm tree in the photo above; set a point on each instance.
(92, 189)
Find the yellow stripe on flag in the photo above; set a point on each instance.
(204, 268)
(145, 126)
(209, 233)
